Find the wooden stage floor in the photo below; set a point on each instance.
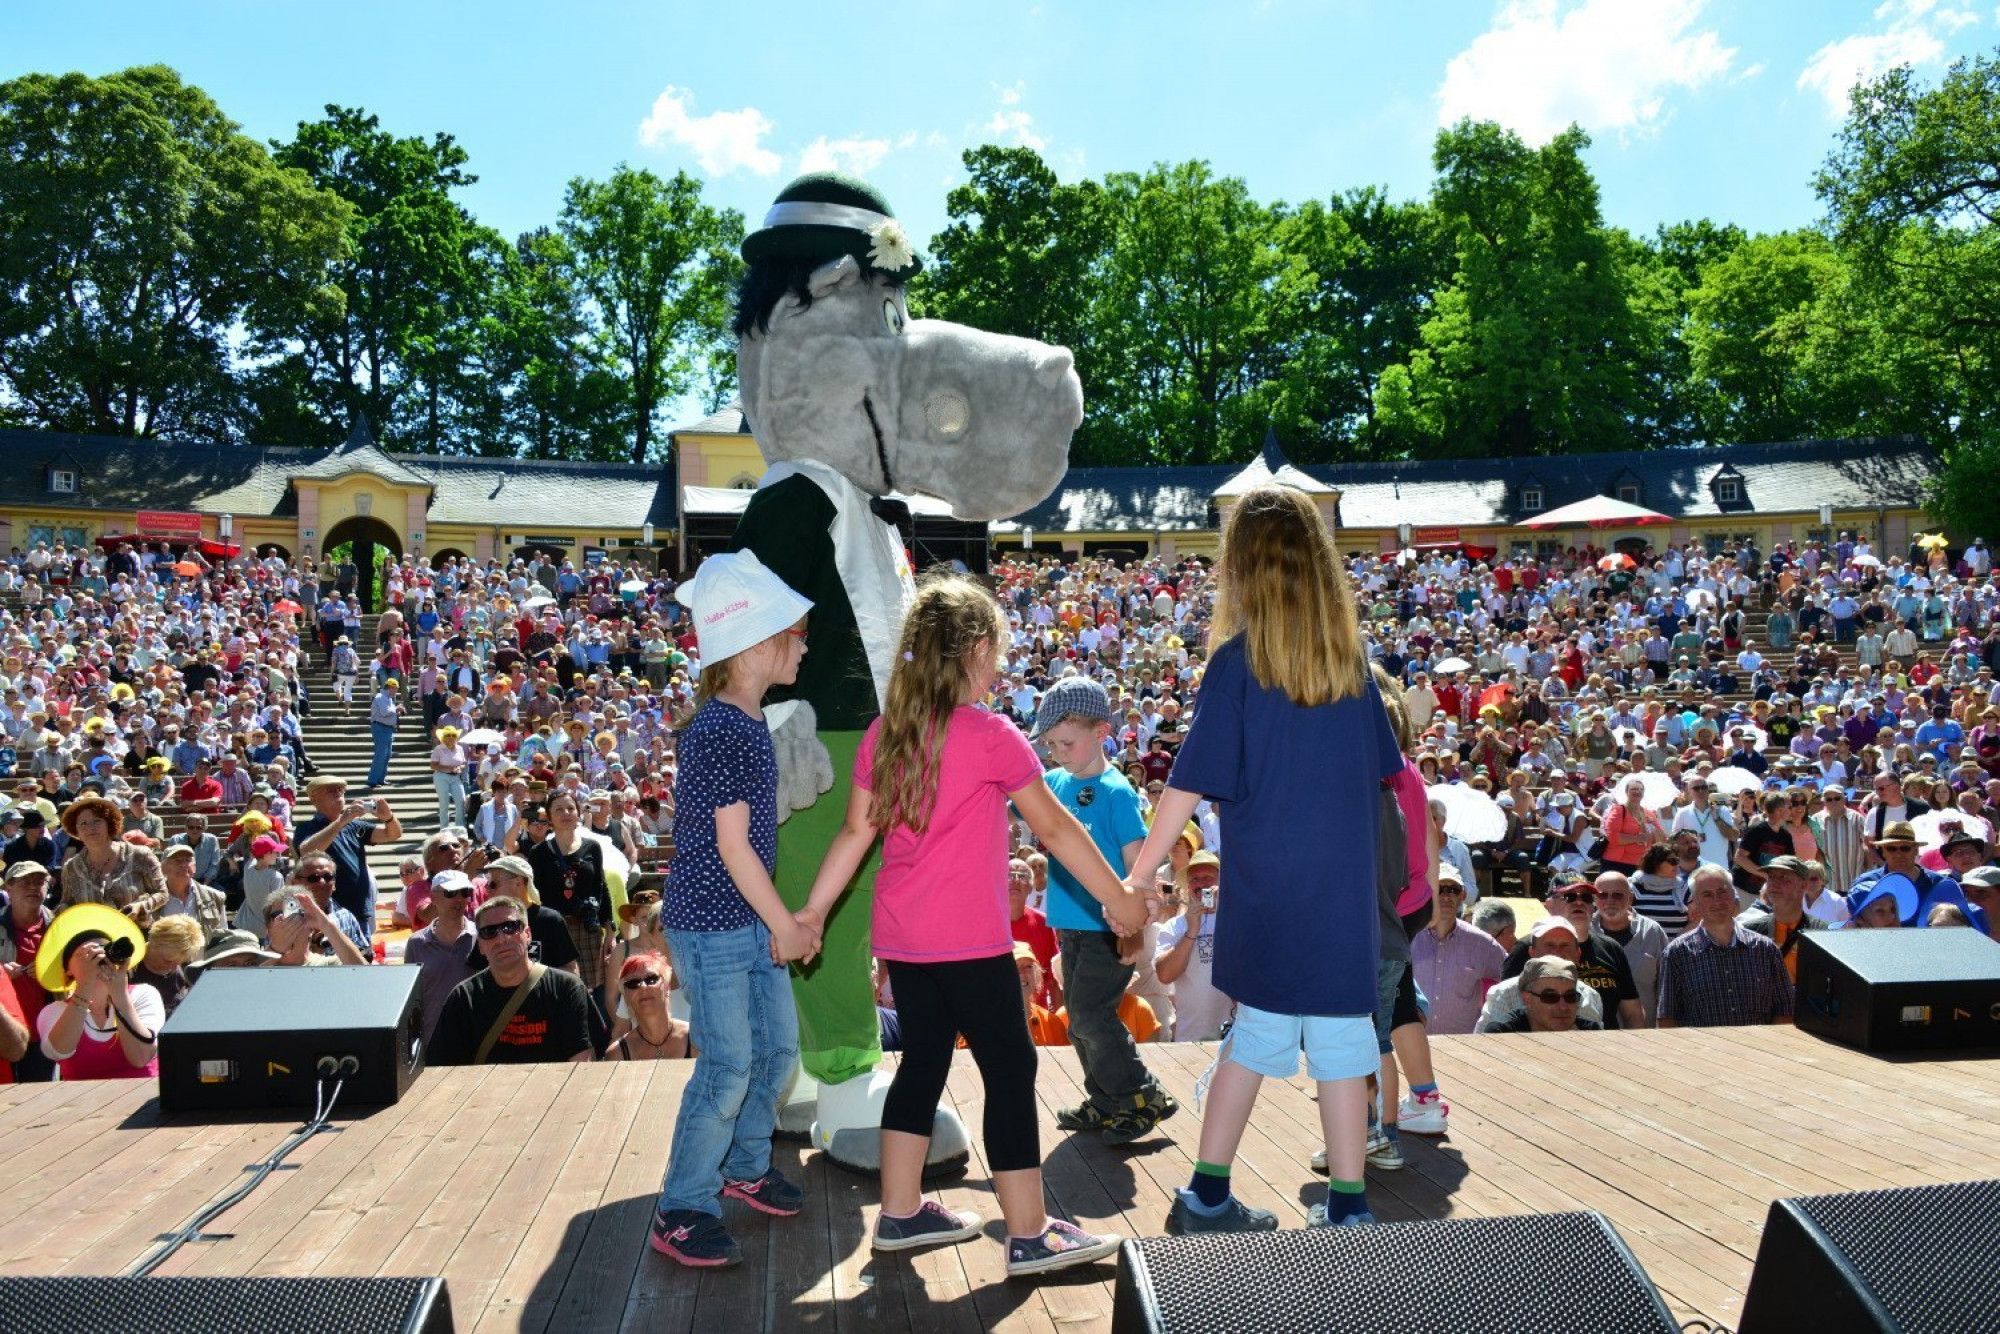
(530, 1189)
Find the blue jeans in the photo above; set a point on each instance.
(385, 738)
(746, 1040)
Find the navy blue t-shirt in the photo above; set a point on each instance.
(725, 757)
(1298, 792)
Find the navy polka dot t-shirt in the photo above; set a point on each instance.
(725, 757)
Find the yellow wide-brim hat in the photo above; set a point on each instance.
(73, 921)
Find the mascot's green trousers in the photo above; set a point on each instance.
(840, 1036)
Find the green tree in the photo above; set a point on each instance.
(415, 278)
(1534, 346)
(141, 226)
(657, 265)
(1024, 254)
(1200, 303)
(565, 398)
(1912, 188)
(1372, 265)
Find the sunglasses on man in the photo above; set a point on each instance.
(1570, 997)
(513, 926)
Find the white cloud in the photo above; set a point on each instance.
(856, 155)
(1604, 64)
(722, 141)
(1010, 122)
(1914, 35)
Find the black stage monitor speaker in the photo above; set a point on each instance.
(264, 1037)
(1918, 1261)
(1900, 990)
(203, 1305)
(1465, 1275)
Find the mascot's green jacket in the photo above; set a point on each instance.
(852, 403)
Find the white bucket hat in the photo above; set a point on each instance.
(737, 602)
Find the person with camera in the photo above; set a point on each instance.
(301, 930)
(1185, 958)
(101, 1024)
(337, 828)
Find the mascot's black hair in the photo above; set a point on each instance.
(770, 281)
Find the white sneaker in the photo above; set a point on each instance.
(1384, 1152)
(1422, 1118)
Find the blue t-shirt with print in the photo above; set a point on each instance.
(1106, 806)
(1298, 790)
(726, 756)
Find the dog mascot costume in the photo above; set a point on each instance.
(853, 402)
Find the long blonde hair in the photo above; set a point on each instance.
(1282, 588)
(944, 626)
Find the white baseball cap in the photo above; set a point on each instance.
(737, 602)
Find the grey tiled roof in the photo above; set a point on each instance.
(116, 473)
(726, 421)
(1790, 477)
(1127, 500)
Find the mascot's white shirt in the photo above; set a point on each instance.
(872, 563)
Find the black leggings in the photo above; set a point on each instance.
(980, 998)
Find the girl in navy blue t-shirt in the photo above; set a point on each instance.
(1290, 741)
(730, 934)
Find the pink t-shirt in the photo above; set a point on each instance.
(1415, 804)
(942, 894)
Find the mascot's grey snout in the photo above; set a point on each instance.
(984, 419)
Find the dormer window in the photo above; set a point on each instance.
(1628, 492)
(1531, 500)
(1728, 491)
(62, 481)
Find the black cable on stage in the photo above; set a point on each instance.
(323, 1109)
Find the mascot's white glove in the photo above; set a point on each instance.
(805, 770)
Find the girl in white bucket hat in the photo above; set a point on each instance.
(729, 932)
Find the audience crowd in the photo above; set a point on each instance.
(1650, 771)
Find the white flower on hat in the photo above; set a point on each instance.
(889, 246)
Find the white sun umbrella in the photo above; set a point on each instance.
(617, 870)
(1933, 827)
(539, 601)
(1699, 598)
(1872, 562)
(1470, 815)
(632, 586)
(1629, 737)
(1660, 790)
(1451, 665)
(1759, 739)
(1728, 780)
(481, 736)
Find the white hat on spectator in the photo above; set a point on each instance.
(737, 602)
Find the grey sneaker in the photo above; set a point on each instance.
(1236, 1216)
(1059, 1246)
(931, 1225)
(1316, 1217)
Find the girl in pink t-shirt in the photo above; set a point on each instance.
(933, 777)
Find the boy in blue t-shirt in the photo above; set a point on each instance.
(1125, 1102)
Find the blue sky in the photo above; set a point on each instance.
(1719, 108)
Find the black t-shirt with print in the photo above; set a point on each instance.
(552, 1024)
(1763, 843)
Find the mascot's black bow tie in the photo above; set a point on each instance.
(893, 512)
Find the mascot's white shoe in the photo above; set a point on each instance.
(849, 1126)
(797, 1108)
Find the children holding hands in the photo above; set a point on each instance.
(933, 779)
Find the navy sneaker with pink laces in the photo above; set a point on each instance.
(1058, 1246)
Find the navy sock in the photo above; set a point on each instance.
(1210, 1185)
(1344, 1199)
(1389, 1131)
